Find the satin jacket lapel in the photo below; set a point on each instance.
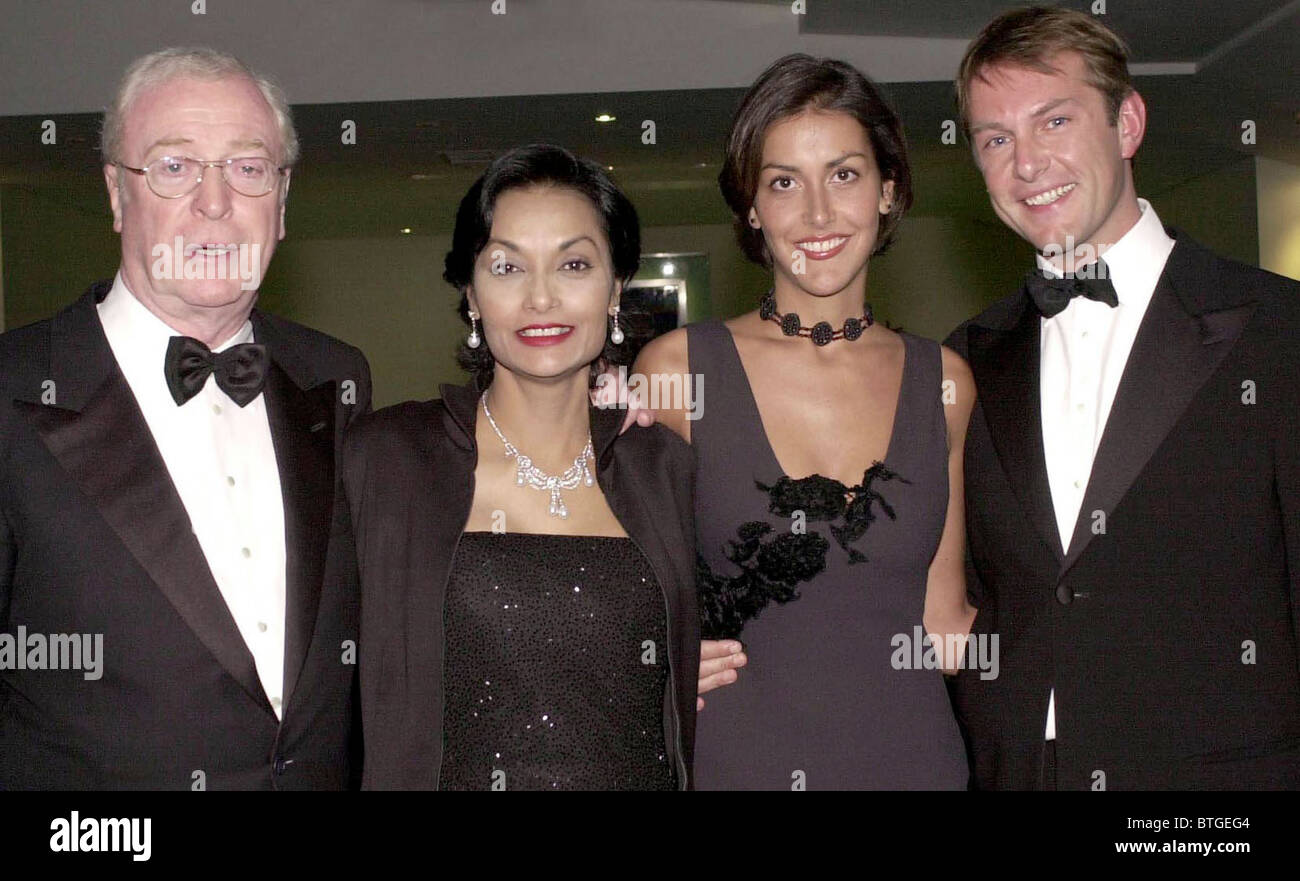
(1176, 350)
(98, 434)
(1005, 363)
(301, 416)
(636, 519)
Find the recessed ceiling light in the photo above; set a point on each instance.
(406, 230)
(605, 117)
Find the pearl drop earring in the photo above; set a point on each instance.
(616, 335)
(473, 339)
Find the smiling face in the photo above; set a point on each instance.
(201, 119)
(1053, 163)
(819, 201)
(544, 283)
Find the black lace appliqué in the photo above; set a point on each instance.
(772, 564)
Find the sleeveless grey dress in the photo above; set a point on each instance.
(826, 594)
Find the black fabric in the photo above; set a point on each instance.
(240, 371)
(408, 475)
(554, 679)
(95, 539)
(1051, 295)
(1168, 626)
(1049, 765)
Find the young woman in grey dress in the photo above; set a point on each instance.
(829, 506)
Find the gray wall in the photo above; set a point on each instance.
(1278, 189)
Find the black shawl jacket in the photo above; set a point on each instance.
(408, 474)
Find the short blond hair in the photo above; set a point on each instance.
(195, 62)
(1029, 36)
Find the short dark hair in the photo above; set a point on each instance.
(1029, 36)
(789, 86)
(538, 165)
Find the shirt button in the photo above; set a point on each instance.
(1078, 407)
(275, 702)
(216, 408)
(247, 553)
(1084, 334)
(261, 626)
(230, 481)
(1077, 485)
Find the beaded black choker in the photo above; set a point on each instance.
(821, 332)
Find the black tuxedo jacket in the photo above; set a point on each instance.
(1169, 627)
(94, 539)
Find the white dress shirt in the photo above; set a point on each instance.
(1084, 349)
(222, 463)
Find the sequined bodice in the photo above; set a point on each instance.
(556, 665)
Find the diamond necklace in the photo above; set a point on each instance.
(528, 474)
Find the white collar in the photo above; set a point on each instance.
(132, 320)
(139, 339)
(1136, 261)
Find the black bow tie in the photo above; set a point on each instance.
(1052, 295)
(240, 370)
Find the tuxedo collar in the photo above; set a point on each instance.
(140, 339)
(81, 359)
(1195, 275)
(268, 331)
(1004, 358)
(1192, 321)
(1192, 273)
(1134, 263)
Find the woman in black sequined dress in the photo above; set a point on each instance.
(528, 604)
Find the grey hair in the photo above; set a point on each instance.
(198, 62)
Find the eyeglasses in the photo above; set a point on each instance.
(174, 176)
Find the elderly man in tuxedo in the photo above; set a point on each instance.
(168, 489)
(1133, 461)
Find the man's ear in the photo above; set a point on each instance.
(113, 180)
(1131, 123)
(284, 198)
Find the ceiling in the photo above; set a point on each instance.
(413, 159)
(1160, 30)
